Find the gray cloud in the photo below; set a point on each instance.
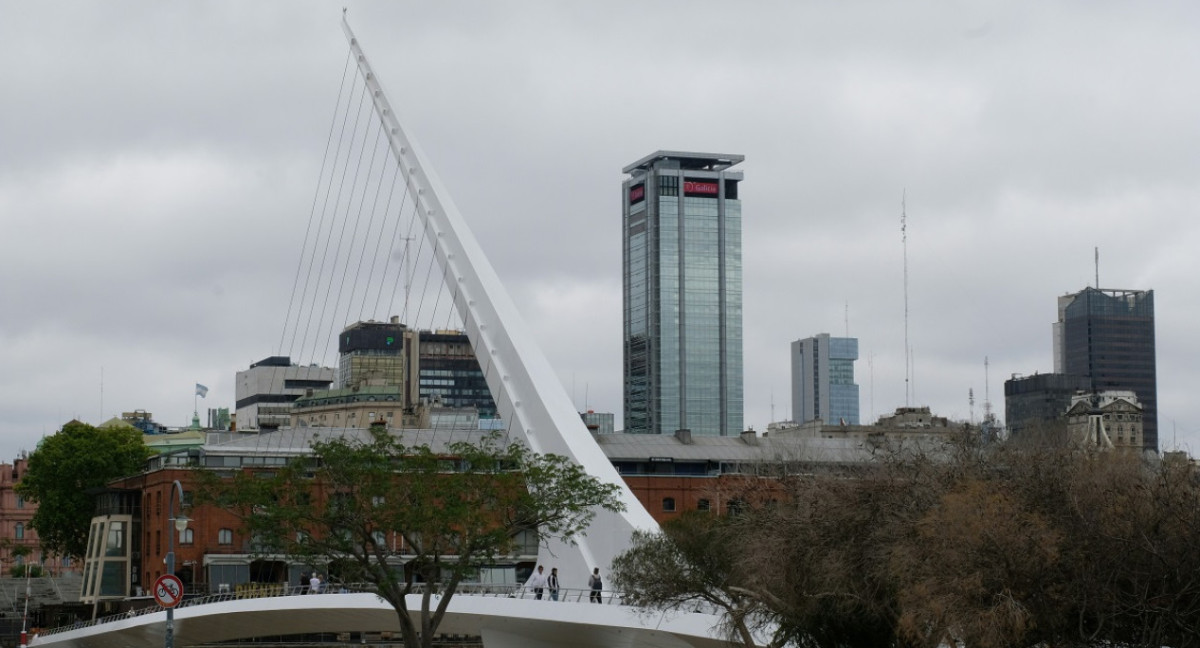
(158, 164)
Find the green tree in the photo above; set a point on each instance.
(692, 562)
(63, 471)
(455, 511)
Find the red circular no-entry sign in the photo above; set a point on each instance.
(168, 590)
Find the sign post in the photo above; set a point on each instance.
(168, 590)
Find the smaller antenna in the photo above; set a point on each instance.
(871, 371)
(1097, 267)
(987, 397)
(971, 404)
(847, 316)
(772, 405)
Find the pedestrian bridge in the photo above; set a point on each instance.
(502, 618)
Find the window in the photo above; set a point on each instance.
(668, 504)
(20, 502)
(703, 505)
(225, 536)
(187, 536)
(259, 544)
(115, 543)
(20, 531)
(526, 543)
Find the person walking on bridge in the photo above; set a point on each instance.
(596, 585)
(552, 583)
(537, 583)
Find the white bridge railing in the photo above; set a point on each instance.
(603, 597)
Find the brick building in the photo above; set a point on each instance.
(15, 514)
(669, 474)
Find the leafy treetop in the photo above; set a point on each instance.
(63, 473)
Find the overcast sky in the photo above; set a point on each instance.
(158, 163)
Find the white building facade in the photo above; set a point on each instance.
(265, 392)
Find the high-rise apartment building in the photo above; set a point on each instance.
(682, 258)
(1107, 336)
(823, 384)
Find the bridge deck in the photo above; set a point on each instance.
(503, 620)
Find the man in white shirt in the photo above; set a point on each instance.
(537, 582)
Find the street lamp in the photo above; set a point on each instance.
(180, 523)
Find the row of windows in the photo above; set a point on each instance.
(188, 536)
(668, 504)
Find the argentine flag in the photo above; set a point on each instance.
(201, 390)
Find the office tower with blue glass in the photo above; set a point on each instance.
(823, 380)
(682, 259)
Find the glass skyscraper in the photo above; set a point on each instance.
(823, 384)
(1107, 336)
(683, 294)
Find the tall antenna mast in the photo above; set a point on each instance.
(847, 315)
(904, 242)
(1097, 267)
(912, 373)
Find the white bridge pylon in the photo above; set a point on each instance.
(526, 390)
